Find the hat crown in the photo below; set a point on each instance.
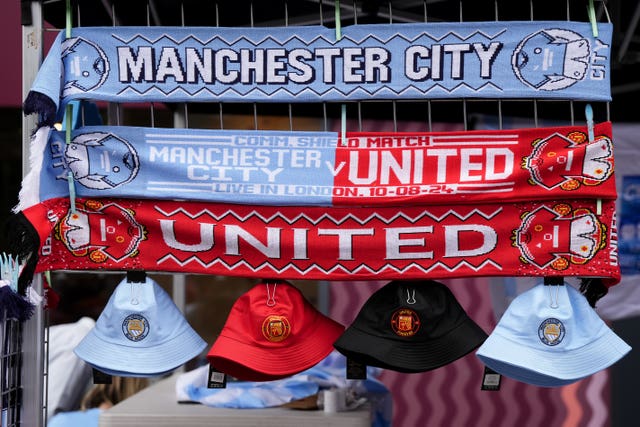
(550, 336)
(271, 332)
(553, 318)
(410, 327)
(139, 315)
(140, 332)
(411, 311)
(270, 313)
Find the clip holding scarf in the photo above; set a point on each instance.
(591, 11)
(554, 281)
(68, 119)
(588, 112)
(70, 179)
(343, 107)
(136, 276)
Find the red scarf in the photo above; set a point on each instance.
(376, 168)
(555, 238)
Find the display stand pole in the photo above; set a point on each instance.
(33, 332)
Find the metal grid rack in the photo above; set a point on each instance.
(10, 369)
(31, 357)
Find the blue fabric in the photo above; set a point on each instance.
(252, 167)
(140, 333)
(550, 336)
(88, 418)
(528, 59)
(251, 395)
(328, 373)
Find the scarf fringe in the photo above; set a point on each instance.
(29, 192)
(24, 242)
(593, 289)
(37, 102)
(15, 306)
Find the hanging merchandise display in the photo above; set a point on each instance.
(553, 238)
(550, 336)
(272, 332)
(518, 59)
(316, 168)
(410, 327)
(140, 333)
(406, 208)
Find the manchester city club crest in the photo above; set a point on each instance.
(405, 322)
(276, 328)
(101, 160)
(551, 59)
(135, 327)
(551, 332)
(85, 63)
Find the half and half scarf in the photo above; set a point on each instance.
(283, 168)
(510, 59)
(551, 238)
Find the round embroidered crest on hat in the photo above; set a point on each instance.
(410, 327)
(135, 327)
(140, 332)
(276, 328)
(550, 336)
(551, 331)
(272, 332)
(405, 322)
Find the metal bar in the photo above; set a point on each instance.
(32, 411)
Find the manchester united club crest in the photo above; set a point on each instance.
(405, 322)
(568, 162)
(551, 332)
(276, 328)
(135, 327)
(101, 232)
(559, 236)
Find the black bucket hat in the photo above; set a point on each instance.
(410, 326)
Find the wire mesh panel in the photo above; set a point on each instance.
(10, 372)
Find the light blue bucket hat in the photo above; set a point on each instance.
(550, 336)
(140, 332)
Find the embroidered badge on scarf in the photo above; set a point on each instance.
(554, 238)
(316, 168)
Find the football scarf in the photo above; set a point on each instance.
(554, 238)
(316, 168)
(528, 59)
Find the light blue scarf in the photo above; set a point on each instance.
(529, 59)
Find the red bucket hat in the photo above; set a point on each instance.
(272, 332)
